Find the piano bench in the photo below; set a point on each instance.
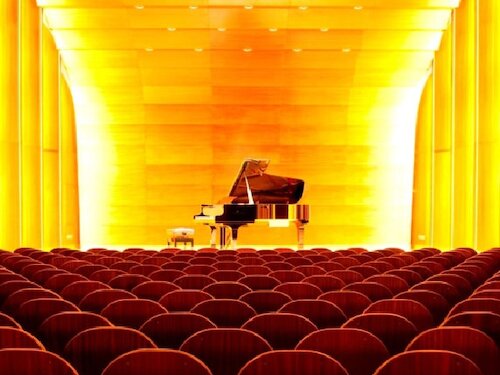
(180, 235)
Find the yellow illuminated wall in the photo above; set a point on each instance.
(35, 107)
(457, 173)
(148, 160)
(170, 99)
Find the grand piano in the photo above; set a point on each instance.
(256, 198)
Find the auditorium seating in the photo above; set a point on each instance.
(365, 312)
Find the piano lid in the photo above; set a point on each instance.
(264, 188)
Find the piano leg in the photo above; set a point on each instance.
(213, 236)
(300, 234)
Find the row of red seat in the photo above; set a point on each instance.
(293, 313)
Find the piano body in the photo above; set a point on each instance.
(256, 198)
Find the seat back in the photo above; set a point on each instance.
(470, 342)
(485, 321)
(170, 330)
(348, 346)
(291, 362)
(394, 330)
(11, 337)
(263, 301)
(156, 362)
(56, 331)
(225, 312)
(33, 362)
(412, 310)
(225, 350)
(323, 314)
(132, 313)
(97, 300)
(281, 330)
(428, 362)
(91, 350)
(183, 300)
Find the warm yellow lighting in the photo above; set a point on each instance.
(247, 49)
(248, 7)
(303, 7)
(273, 29)
(221, 29)
(198, 49)
(149, 49)
(139, 6)
(297, 49)
(346, 50)
(324, 29)
(171, 28)
(358, 7)
(193, 7)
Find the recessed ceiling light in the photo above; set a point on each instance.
(248, 6)
(198, 50)
(358, 7)
(139, 6)
(324, 29)
(297, 49)
(303, 7)
(346, 50)
(149, 49)
(273, 29)
(247, 49)
(221, 29)
(171, 28)
(193, 7)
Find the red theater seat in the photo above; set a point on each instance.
(326, 283)
(293, 362)
(97, 300)
(199, 269)
(8, 321)
(286, 276)
(156, 362)
(58, 282)
(154, 290)
(487, 322)
(226, 275)
(225, 312)
(299, 290)
(347, 276)
(105, 275)
(476, 304)
(372, 290)
(360, 352)
(259, 282)
(74, 292)
(194, 281)
(166, 275)
(32, 313)
(281, 330)
(132, 313)
(183, 300)
(411, 277)
(323, 314)
(225, 350)
(394, 283)
(394, 330)
(470, 342)
(90, 351)
(428, 362)
(16, 299)
(9, 287)
(350, 302)
(255, 270)
(226, 289)
(412, 310)
(11, 337)
(437, 305)
(170, 330)
(33, 362)
(128, 281)
(263, 301)
(56, 331)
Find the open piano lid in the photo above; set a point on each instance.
(265, 188)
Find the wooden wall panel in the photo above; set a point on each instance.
(30, 150)
(9, 126)
(169, 100)
(465, 174)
